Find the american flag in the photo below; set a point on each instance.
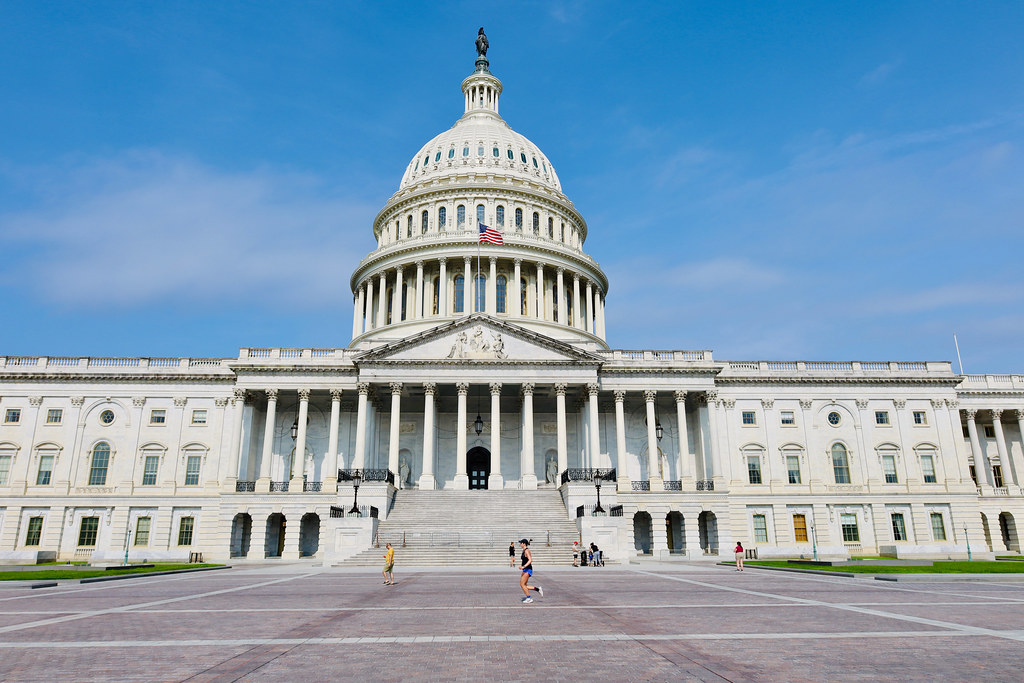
(490, 235)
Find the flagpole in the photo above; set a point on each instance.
(476, 282)
(958, 360)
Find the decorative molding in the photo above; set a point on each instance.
(396, 388)
(862, 403)
(900, 403)
(430, 388)
(77, 401)
(650, 395)
(767, 403)
(592, 389)
(620, 395)
(180, 401)
(221, 401)
(952, 403)
(336, 394)
(937, 403)
(271, 394)
(806, 403)
(495, 388)
(304, 394)
(35, 400)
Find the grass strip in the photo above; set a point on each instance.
(939, 567)
(59, 574)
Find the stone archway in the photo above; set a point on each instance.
(309, 535)
(674, 532)
(1008, 532)
(274, 544)
(478, 466)
(241, 535)
(707, 524)
(642, 533)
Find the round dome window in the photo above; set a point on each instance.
(834, 418)
(107, 416)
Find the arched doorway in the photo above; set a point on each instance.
(309, 534)
(274, 545)
(478, 464)
(241, 534)
(1008, 530)
(674, 532)
(642, 532)
(707, 524)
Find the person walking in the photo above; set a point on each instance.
(739, 556)
(527, 572)
(512, 554)
(389, 565)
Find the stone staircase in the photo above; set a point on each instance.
(472, 528)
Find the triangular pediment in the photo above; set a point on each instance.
(479, 338)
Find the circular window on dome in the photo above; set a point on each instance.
(511, 155)
(522, 155)
(834, 418)
(107, 416)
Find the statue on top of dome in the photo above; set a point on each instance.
(481, 43)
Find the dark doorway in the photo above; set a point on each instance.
(241, 535)
(478, 463)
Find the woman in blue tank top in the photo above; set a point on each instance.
(527, 567)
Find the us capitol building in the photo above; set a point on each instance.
(479, 372)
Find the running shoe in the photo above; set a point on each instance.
(540, 591)
(528, 600)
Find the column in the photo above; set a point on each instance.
(529, 477)
(577, 312)
(468, 293)
(562, 298)
(981, 468)
(1004, 456)
(563, 455)
(516, 305)
(370, 320)
(427, 481)
(396, 416)
(595, 436)
(492, 286)
(299, 459)
(263, 484)
(621, 466)
(588, 321)
(1017, 465)
(461, 476)
(442, 283)
(359, 458)
(357, 313)
(235, 452)
(540, 292)
(396, 298)
(686, 474)
(382, 304)
(417, 311)
(652, 442)
(330, 474)
(495, 480)
(599, 300)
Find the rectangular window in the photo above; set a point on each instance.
(938, 527)
(87, 531)
(35, 531)
(840, 468)
(881, 417)
(54, 416)
(990, 432)
(787, 417)
(849, 524)
(198, 417)
(997, 476)
(98, 470)
(157, 417)
(12, 416)
(928, 469)
(185, 530)
(889, 469)
(920, 418)
(142, 530)
(899, 529)
(754, 469)
(45, 470)
(760, 529)
(150, 469)
(749, 417)
(793, 467)
(192, 470)
(800, 528)
(5, 468)
(974, 474)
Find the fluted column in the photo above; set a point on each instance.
(515, 306)
(981, 468)
(650, 396)
(442, 283)
(1004, 455)
(495, 480)
(595, 435)
(563, 450)
(600, 315)
(268, 441)
(461, 476)
(589, 319)
(382, 299)
(370, 316)
(540, 293)
(396, 416)
(529, 476)
(621, 464)
(357, 313)
(359, 458)
(299, 458)
(427, 481)
(417, 312)
(468, 293)
(396, 298)
(492, 286)
(330, 475)
(577, 312)
(560, 304)
(235, 447)
(685, 469)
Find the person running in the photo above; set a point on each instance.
(739, 556)
(527, 573)
(512, 554)
(389, 565)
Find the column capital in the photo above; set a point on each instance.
(540, 267)
(467, 260)
(517, 262)
(419, 264)
(767, 403)
(304, 394)
(560, 270)
(495, 388)
(900, 403)
(77, 401)
(137, 401)
(997, 414)
(952, 403)
(462, 388)
(560, 388)
(363, 388)
(430, 388)
(527, 388)
(240, 395)
(379, 273)
(862, 403)
(398, 270)
(971, 413)
(729, 403)
(492, 260)
(442, 260)
(575, 277)
(336, 394)
(220, 401)
(271, 394)
(592, 389)
(396, 388)
(650, 395)
(806, 403)
(1019, 413)
(620, 395)
(937, 403)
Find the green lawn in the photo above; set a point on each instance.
(58, 574)
(939, 567)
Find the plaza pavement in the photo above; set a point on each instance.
(639, 622)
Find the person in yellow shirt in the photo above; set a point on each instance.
(389, 564)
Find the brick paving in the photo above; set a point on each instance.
(650, 622)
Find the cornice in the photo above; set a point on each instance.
(65, 377)
(851, 381)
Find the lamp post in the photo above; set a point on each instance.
(127, 542)
(968, 539)
(659, 431)
(597, 483)
(356, 481)
(814, 542)
(295, 438)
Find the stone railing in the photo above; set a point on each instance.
(832, 368)
(650, 355)
(993, 382)
(293, 354)
(74, 363)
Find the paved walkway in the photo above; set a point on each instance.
(651, 623)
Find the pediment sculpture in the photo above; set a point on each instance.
(478, 344)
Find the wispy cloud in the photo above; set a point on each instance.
(880, 73)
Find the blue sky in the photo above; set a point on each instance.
(767, 180)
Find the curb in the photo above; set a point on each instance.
(99, 579)
(794, 570)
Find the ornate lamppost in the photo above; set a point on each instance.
(597, 483)
(356, 481)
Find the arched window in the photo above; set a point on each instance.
(496, 152)
(459, 294)
(481, 289)
(536, 223)
(398, 228)
(535, 162)
(511, 155)
(437, 157)
(499, 216)
(551, 228)
(519, 220)
(561, 232)
(840, 464)
(442, 218)
(405, 299)
(425, 222)
(100, 463)
(522, 155)
(460, 216)
(451, 153)
(522, 296)
(480, 151)
(465, 151)
(479, 213)
(554, 302)
(437, 293)
(391, 299)
(500, 286)
(408, 231)
(426, 160)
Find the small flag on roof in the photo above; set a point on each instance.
(490, 235)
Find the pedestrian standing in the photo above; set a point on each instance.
(389, 565)
(512, 554)
(527, 572)
(739, 556)
(575, 553)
